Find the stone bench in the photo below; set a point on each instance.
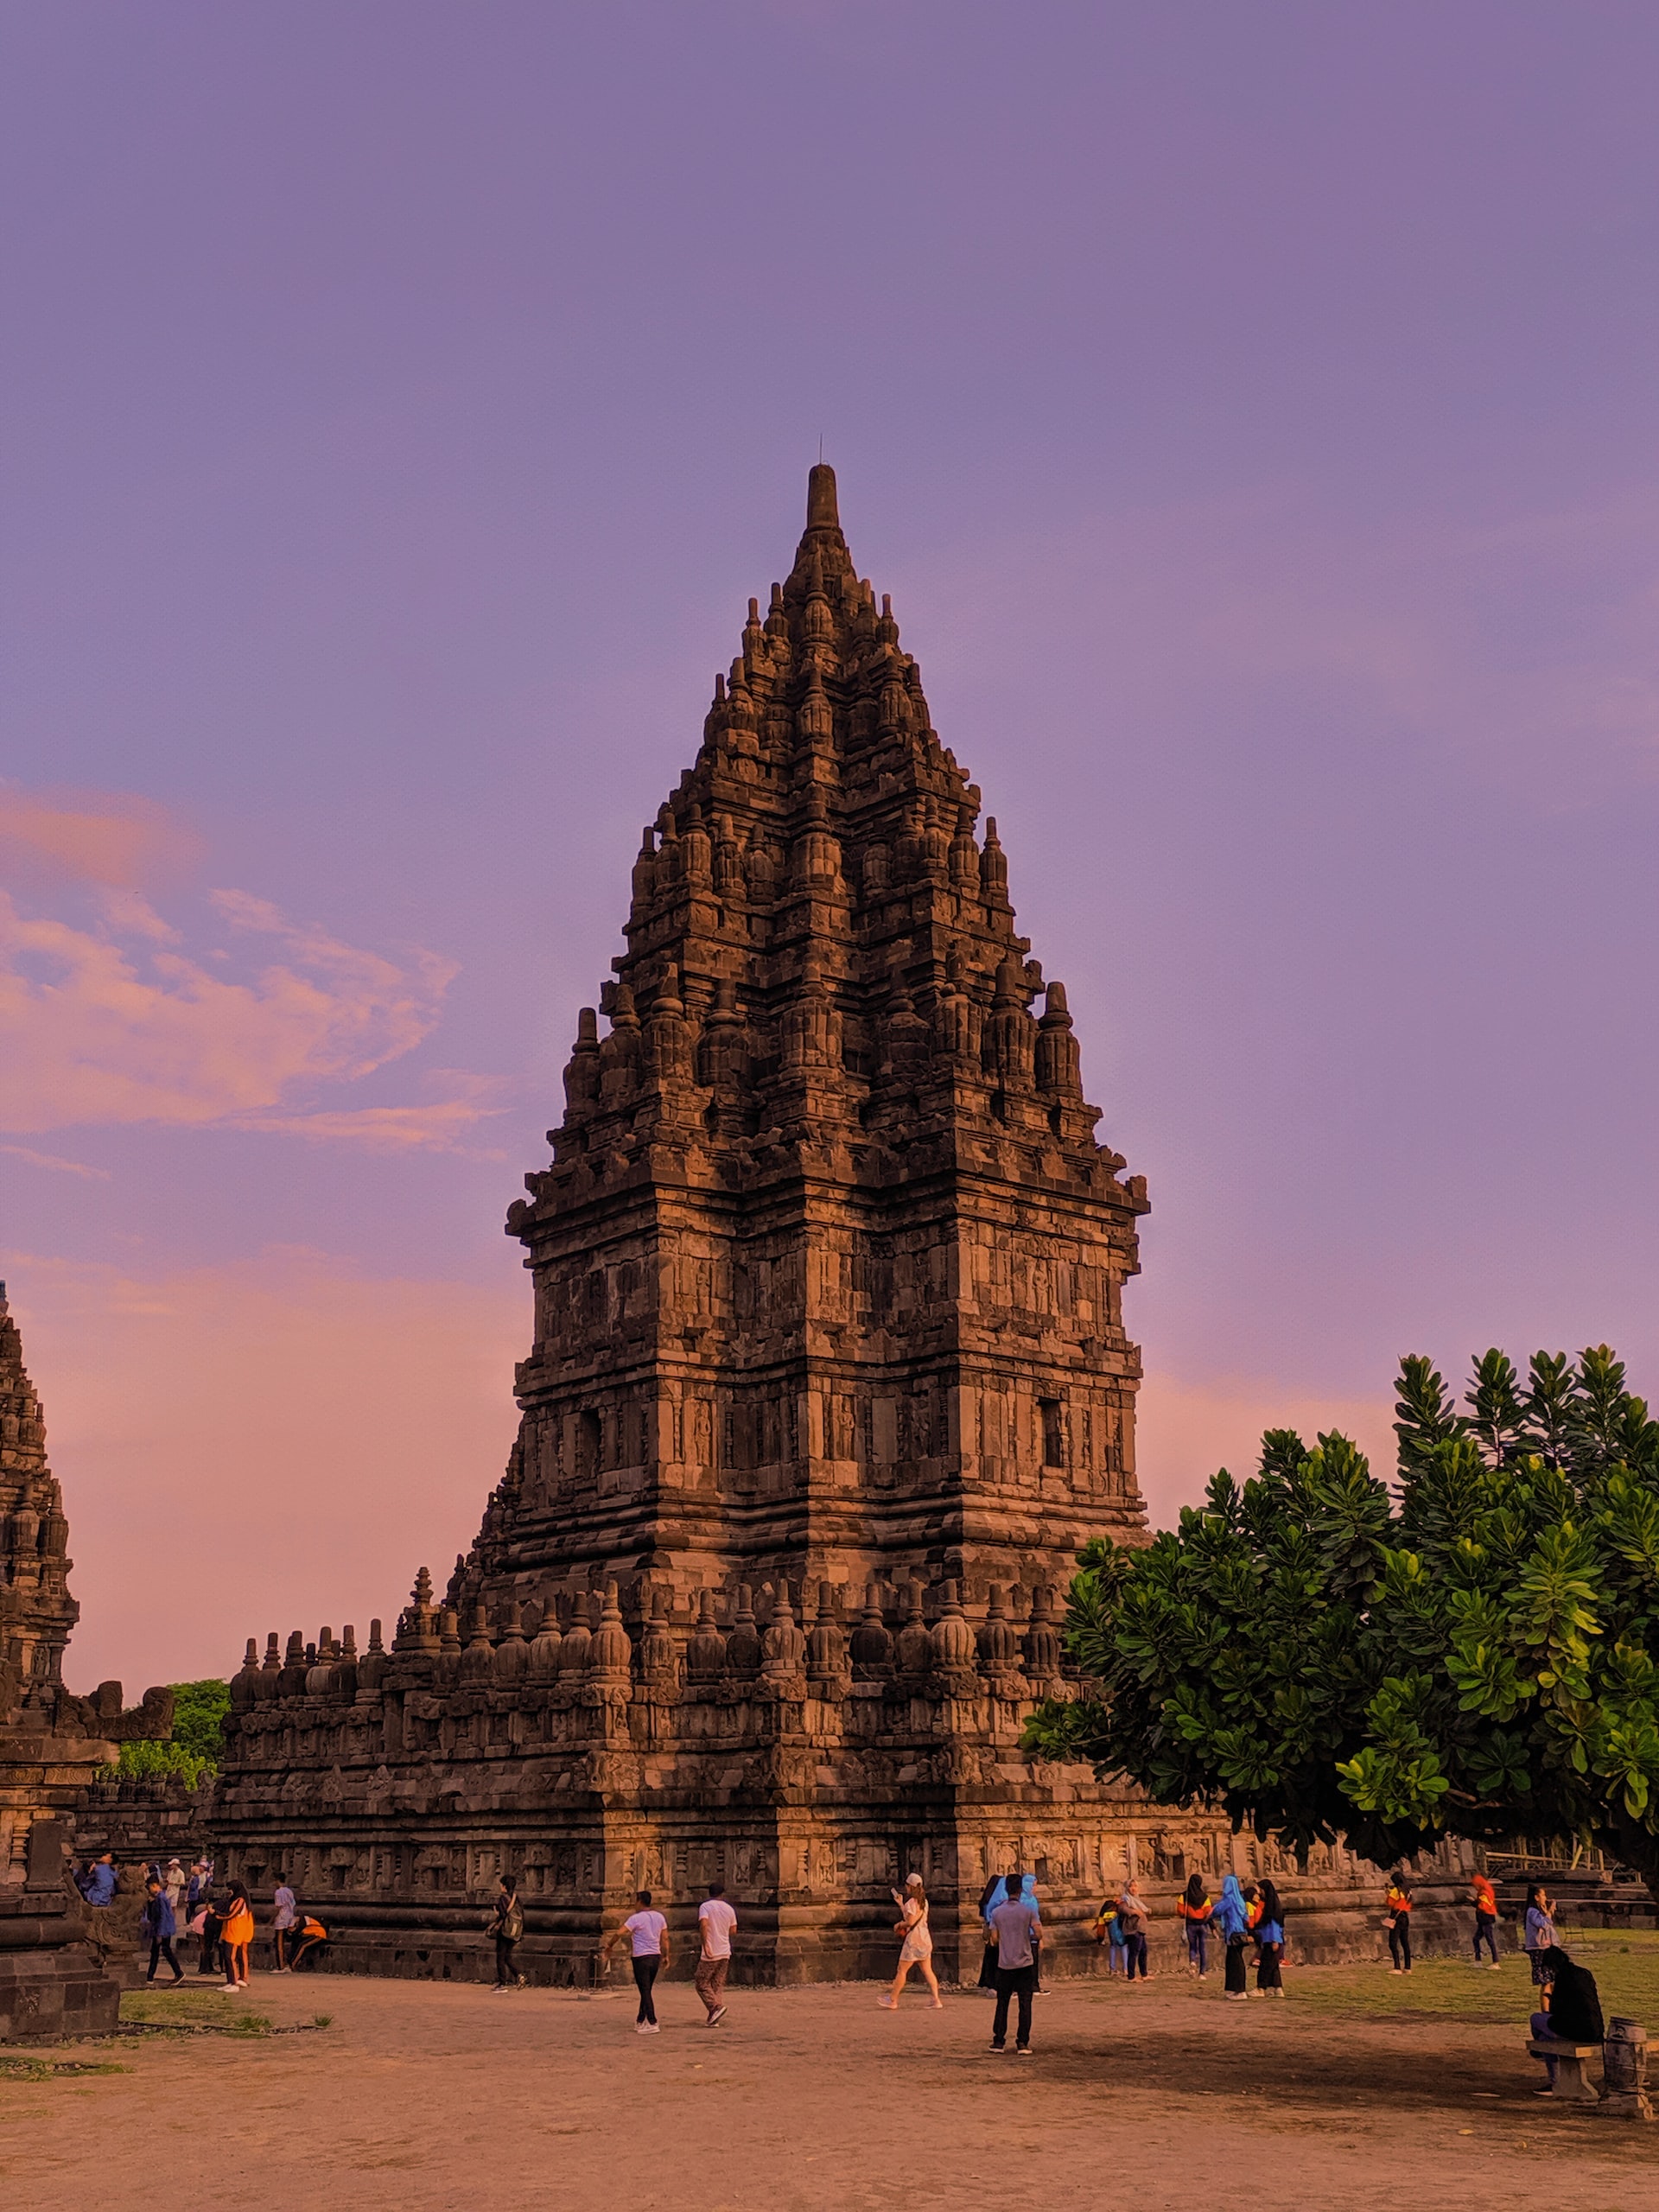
(1570, 2084)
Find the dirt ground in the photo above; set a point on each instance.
(421, 2095)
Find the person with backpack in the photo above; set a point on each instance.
(507, 1926)
(1573, 2013)
(1132, 1918)
(1396, 1918)
(1196, 1912)
(1484, 1898)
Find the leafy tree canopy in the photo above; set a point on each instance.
(1474, 1650)
(192, 1751)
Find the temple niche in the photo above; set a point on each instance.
(828, 1380)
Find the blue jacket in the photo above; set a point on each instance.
(100, 1885)
(159, 1921)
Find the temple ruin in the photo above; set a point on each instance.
(829, 1379)
(52, 1743)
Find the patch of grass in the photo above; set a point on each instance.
(202, 2007)
(322, 2019)
(1626, 1968)
(47, 2069)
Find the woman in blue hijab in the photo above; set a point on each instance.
(1233, 1918)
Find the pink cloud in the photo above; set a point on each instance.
(1186, 1431)
(104, 838)
(116, 1024)
(272, 1444)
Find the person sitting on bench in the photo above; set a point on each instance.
(1574, 2014)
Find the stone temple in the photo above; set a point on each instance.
(52, 1743)
(828, 1380)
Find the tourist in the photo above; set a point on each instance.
(1270, 1942)
(1538, 1933)
(158, 1922)
(990, 1898)
(647, 1934)
(507, 1926)
(103, 1881)
(309, 1936)
(1197, 1912)
(1485, 1903)
(1132, 1917)
(236, 1938)
(1233, 1918)
(284, 1903)
(211, 1962)
(917, 1949)
(1573, 2013)
(715, 1923)
(1019, 1934)
(173, 1882)
(1396, 1918)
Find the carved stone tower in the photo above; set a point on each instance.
(828, 1265)
(36, 1612)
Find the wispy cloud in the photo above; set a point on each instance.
(52, 1160)
(114, 1024)
(104, 838)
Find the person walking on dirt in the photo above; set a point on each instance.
(1396, 1918)
(1019, 1933)
(1485, 1903)
(158, 1922)
(715, 1923)
(647, 1934)
(507, 1926)
(917, 1949)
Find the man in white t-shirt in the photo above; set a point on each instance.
(715, 1921)
(647, 1934)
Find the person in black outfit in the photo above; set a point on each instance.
(1574, 2014)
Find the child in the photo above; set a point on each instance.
(1397, 1907)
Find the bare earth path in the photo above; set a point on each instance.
(422, 2095)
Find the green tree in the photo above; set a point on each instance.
(192, 1751)
(1475, 1652)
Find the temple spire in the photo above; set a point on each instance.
(822, 510)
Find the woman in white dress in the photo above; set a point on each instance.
(918, 1949)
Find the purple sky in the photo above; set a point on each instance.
(1250, 410)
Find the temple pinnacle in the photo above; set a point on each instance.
(822, 510)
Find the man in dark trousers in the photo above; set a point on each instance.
(1018, 1931)
(1574, 2014)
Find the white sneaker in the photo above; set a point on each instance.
(653, 2027)
(642, 2027)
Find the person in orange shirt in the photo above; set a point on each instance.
(1486, 1904)
(1196, 1909)
(236, 1939)
(1396, 1909)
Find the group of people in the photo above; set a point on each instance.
(1243, 1914)
(220, 1914)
